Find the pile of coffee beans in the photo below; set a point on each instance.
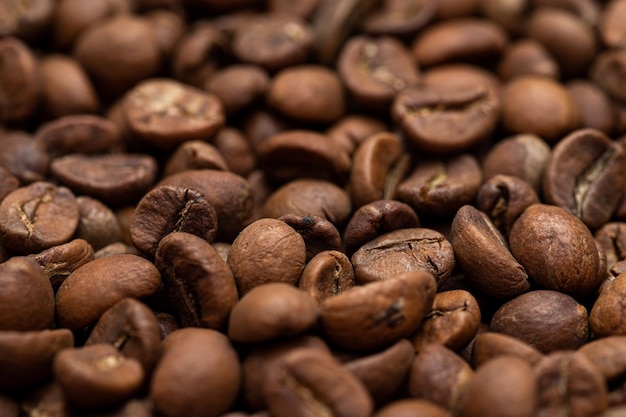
(312, 208)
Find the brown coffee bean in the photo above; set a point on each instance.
(459, 76)
(236, 150)
(168, 209)
(351, 130)
(594, 104)
(8, 182)
(200, 286)
(20, 89)
(59, 261)
(376, 218)
(384, 373)
(611, 29)
(259, 125)
(132, 408)
(607, 72)
(326, 275)
(440, 188)
(605, 317)
(403, 250)
(308, 379)
(23, 156)
(524, 156)
(484, 257)
(81, 299)
(399, 17)
(607, 354)
(586, 175)
(374, 70)
(453, 321)
(554, 246)
(116, 248)
(439, 375)
(380, 313)
(488, 345)
(411, 407)
(97, 376)
(38, 216)
(168, 26)
(271, 311)
(194, 154)
(540, 106)
(131, 327)
(508, 14)
(26, 357)
(48, 399)
(446, 120)
(97, 224)
(228, 193)
(612, 238)
(568, 380)
(309, 196)
(303, 153)
(319, 234)
(198, 374)
(25, 20)
(304, 9)
(533, 317)
(239, 86)
(378, 165)
(527, 57)
(503, 385)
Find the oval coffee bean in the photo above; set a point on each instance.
(412, 407)
(97, 224)
(319, 234)
(20, 90)
(490, 344)
(606, 318)
(380, 313)
(326, 275)
(194, 154)
(58, 262)
(79, 134)
(607, 353)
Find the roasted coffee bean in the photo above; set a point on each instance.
(612, 238)
(611, 30)
(238, 86)
(194, 154)
(236, 151)
(399, 17)
(97, 376)
(605, 317)
(304, 9)
(167, 209)
(351, 130)
(26, 357)
(586, 175)
(168, 26)
(533, 316)
(27, 298)
(167, 324)
(58, 262)
(503, 385)
(568, 380)
(271, 311)
(23, 156)
(200, 285)
(116, 248)
(403, 250)
(607, 354)
(484, 257)
(595, 106)
(319, 234)
(308, 379)
(380, 313)
(527, 57)
(326, 275)
(377, 218)
(8, 182)
(26, 20)
(132, 408)
(439, 375)
(20, 92)
(198, 374)
(452, 322)
(48, 399)
(97, 223)
(131, 327)
(81, 299)
(489, 345)
(607, 72)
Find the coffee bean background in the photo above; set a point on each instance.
(312, 208)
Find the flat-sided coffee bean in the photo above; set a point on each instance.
(26, 299)
(612, 238)
(403, 250)
(488, 345)
(131, 327)
(453, 321)
(268, 250)
(58, 262)
(271, 311)
(504, 198)
(26, 357)
(23, 156)
(523, 156)
(439, 375)
(97, 224)
(228, 193)
(557, 250)
(539, 105)
(116, 179)
(167, 209)
(611, 29)
(568, 380)
(326, 275)
(82, 298)
(374, 70)
(527, 57)
(533, 317)
(595, 105)
(384, 373)
(586, 175)
(606, 318)
(412, 407)
(446, 120)
(440, 188)
(484, 257)
(198, 374)
(378, 165)
(309, 196)
(309, 379)
(504, 385)
(319, 234)
(238, 86)
(97, 376)
(19, 86)
(200, 286)
(607, 353)
(380, 313)
(273, 41)
(399, 17)
(376, 218)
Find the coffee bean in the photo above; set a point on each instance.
(607, 354)
(239, 86)
(605, 317)
(401, 18)
(611, 30)
(26, 20)
(527, 57)
(59, 261)
(351, 130)
(326, 275)
(594, 104)
(48, 399)
(319, 234)
(97, 224)
(611, 237)
(23, 156)
(304, 9)
(410, 407)
(236, 150)
(607, 72)
(490, 344)
(20, 90)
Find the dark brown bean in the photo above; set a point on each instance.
(319, 234)
(20, 89)
(490, 344)
(238, 86)
(326, 275)
(59, 261)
